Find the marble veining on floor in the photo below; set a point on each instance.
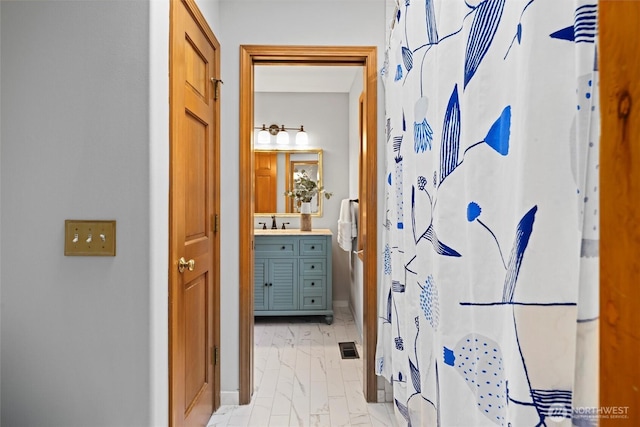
(301, 380)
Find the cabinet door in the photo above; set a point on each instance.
(260, 282)
(283, 284)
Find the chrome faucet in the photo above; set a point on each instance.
(274, 226)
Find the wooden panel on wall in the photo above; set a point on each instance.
(619, 53)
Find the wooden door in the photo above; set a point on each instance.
(619, 189)
(266, 182)
(194, 204)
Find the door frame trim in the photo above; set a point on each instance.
(365, 56)
(200, 20)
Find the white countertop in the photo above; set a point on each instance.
(292, 232)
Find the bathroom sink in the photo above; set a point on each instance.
(290, 232)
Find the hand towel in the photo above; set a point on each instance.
(347, 226)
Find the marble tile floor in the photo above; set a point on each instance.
(301, 380)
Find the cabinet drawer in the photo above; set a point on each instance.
(313, 302)
(312, 283)
(313, 266)
(271, 247)
(311, 247)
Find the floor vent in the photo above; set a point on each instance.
(348, 350)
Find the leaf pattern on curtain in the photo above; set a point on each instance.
(483, 30)
(487, 299)
(450, 136)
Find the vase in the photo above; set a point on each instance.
(305, 216)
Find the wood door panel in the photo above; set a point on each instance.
(195, 69)
(195, 332)
(195, 146)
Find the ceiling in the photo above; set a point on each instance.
(276, 78)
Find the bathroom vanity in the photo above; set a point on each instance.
(292, 273)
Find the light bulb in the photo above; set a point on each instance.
(283, 137)
(301, 137)
(263, 136)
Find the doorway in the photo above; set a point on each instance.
(366, 57)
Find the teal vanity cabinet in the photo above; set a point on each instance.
(292, 273)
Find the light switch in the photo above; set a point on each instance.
(79, 238)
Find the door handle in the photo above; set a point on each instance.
(183, 264)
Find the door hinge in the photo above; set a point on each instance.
(215, 355)
(216, 87)
(216, 222)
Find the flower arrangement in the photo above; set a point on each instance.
(304, 188)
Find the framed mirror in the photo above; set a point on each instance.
(275, 170)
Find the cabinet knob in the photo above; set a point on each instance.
(283, 248)
(313, 247)
(313, 283)
(266, 284)
(313, 266)
(312, 301)
(270, 284)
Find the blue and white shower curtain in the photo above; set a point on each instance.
(488, 310)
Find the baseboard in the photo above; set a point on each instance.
(340, 303)
(229, 398)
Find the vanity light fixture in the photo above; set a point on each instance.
(282, 136)
(301, 137)
(263, 136)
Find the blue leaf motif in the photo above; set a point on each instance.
(450, 136)
(403, 410)
(415, 376)
(407, 58)
(523, 232)
(519, 33)
(432, 29)
(498, 136)
(398, 73)
(439, 247)
(483, 29)
(563, 34)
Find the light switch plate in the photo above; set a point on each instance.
(89, 237)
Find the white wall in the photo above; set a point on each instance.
(325, 117)
(159, 213)
(287, 22)
(75, 144)
(356, 275)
